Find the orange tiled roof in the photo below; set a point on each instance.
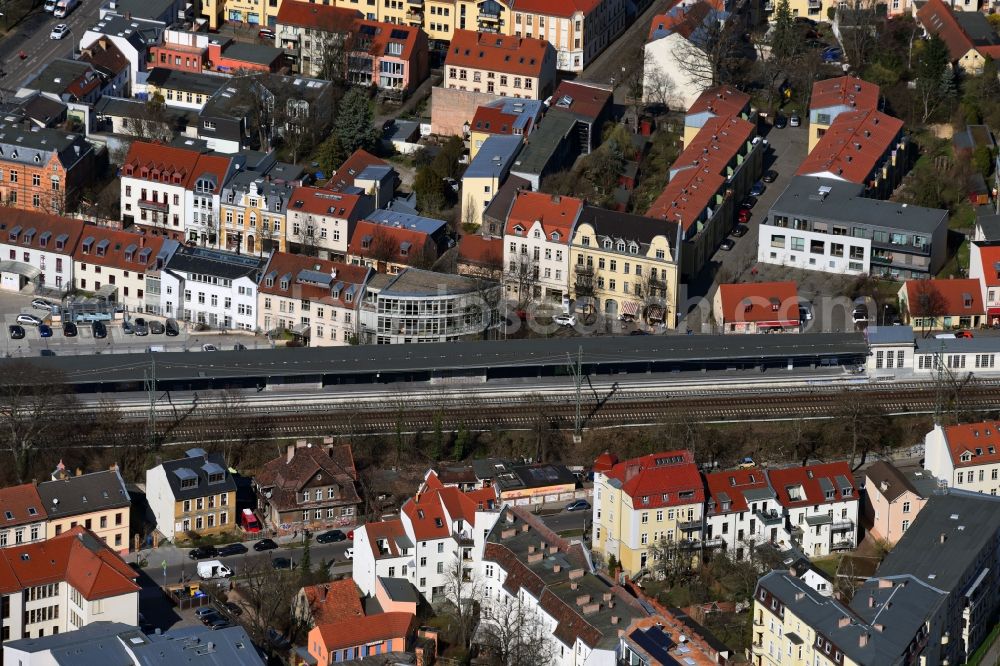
(732, 484)
(524, 56)
(980, 440)
(658, 479)
(937, 18)
(319, 201)
(760, 297)
(364, 630)
(720, 101)
(122, 249)
(476, 250)
(335, 601)
(989, 258)
(808, 478)
(20, 505)
(853, 146)
(384, 33)
(159, 163)
(561, 8)
(961, 297)
(345, 174)
(492, 120)
(844, 91)
(557, 214)
(683, 20)
(285, 263)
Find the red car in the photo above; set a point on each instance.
(963, 334)
(744, 216)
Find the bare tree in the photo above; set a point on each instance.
(669, 561)
(152, 123)
(522, 277)
(859, 25)
(927, 304)
(462, 596)
(34, 406)
(715, 56)
(512, 635)
(863, 423)
(268, 595)
(658, 88)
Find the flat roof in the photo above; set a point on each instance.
(495, 157)
(544, 142)
(261, 54)
(172, 79)
(844, 202)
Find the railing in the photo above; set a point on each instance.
(757, 648)
(842, 525)
(154, 205)
(689, 525)
(769, 517)
(584, 269)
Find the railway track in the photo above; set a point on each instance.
(555, 411)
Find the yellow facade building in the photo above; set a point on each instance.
(642, 501)
(195, 495)
(97, 501)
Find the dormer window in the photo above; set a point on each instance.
(284, 284)
(518, 230)
(645, 499)
(607, 243)
(726, 506)
(555, 236)
(633, 248)
(829, 494)
(966, 457)
(621, 246)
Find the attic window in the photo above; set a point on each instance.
(269, 282)
(25, 557)
(32, 511)
(607, 243)
(829, 494)
(438, 523)
(284, 283)
(732, 481)
(8, 515)
(420, 513)
(621, 246)
(966, 457)
(518, 229)
(665, 497)
(633, 248)
(555, 236)
(967, 300)
(645, 499)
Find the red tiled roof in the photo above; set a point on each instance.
(216, 166)
(524, 56)
(285, 263)
(335, 601)
(364, 630)
(557, 215)
(682, 19)
(432, 510)
(937, 18)
(980, 440)
(720, 101)
(386, 243)
(319, 201)
(46, 229)
(346, 173)
(390, 530)
(475, 250)
(164, 164)
(761, 298)
(318, 17)
(17, 501)
(286, 478)
(961, 297)
(104, 54)
(853, 146)
(660, 478)
(588, 100)
(989, 259)
(561, 8)
(77, 557)
(697, 174)
(844, 91)
(385, 33)
(732, 484)
(808, 478)
(492, 120)
(605, 461)
(122, 251)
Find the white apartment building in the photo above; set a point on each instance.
(154, 183)
(439, 529)
(821, 505)
(202, 200)
(321, 222)
(37, 248)
(536, 246)
(965, 456)
(63, 584)
(119, 263)
(22, 515)
(212, 287)
(742, 511)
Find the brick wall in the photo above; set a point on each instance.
(451, 109)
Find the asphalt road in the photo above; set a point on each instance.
(32, 37)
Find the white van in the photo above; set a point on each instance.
(64, 7)
(213, 569)
(945, 336)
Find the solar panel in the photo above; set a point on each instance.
(655, 642)
(316, 277)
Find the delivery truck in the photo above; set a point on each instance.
(213, 569)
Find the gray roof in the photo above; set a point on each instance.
(495, 157)
(399, 589)
(74, 495)
(889, 335)
(145, 9)
(22, 143)
(989, 223)
(42, 109)
(627, 227)
(823, 615)
(56, 76)
(527, 353)
(544, 142)
(417, 282)
(218, 263)
(122, 107)
(970, 522)
(102, 643)
(139, 32)
(845, 203)
(978, 345)
(173, 79)
(261, 54)
(197, 467)
(502, 201)
(976, 27)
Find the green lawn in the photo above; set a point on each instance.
(828, 565)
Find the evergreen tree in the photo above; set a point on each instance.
(353, 128)
(461, 442)
(935, 79)
(784, 36)
(305, 564)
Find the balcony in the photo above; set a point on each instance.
(581, 269)
(757, 647)
(758, 621)
(689, 525)
(415, 15)
(160, 206)
(715, 542)
(842, 525)
(842, 545)
(769, 518)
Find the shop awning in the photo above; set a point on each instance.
(654, 313)
(993, 312)
(630, 308)
(791, 323)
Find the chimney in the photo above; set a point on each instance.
(943, 537)
(574, 586)
(553, 550)
(506, 534)
(289, 453)
(863, 640)
(590, 609)
(536, 557)
(531, 549)
(326, 591)
(524, 527)
(575, 574)
(879, 627)
(79, 472)
(583, 600)
(884, 583)
(883, 486)
(142, 241)
(607, 596)
(614, 619)
(871, 601)
(556, 568)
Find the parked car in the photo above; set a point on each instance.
(638, 331)
(727, 244)
(205, 610)
(221, 623)
(264, 544)
(29, 319)
(770, 176)
(749, 203)
(277, 639)
(140, 326)
(832, 54)
(59, 31)
(805, 311)
(47, 352)
(565, 320)
(208, 618)
(45, 331)
(233, 608)
(127, 327)
(172, 329)
(156, 328)
(99, 329)
(740, 230)
(794, 120)
(759, 187)
(42, 304)
(69, 329)
(859, 314)
(578, 505)
(232, 549)
(280, 563)
(203, 552)
(239, 346)
(16, 332)
(743, 217)
(266, 33)
(209, 347)
(963, 334)
(332, 536)
(780, 121)
(349, 554)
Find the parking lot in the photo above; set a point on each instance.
(116, 342)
